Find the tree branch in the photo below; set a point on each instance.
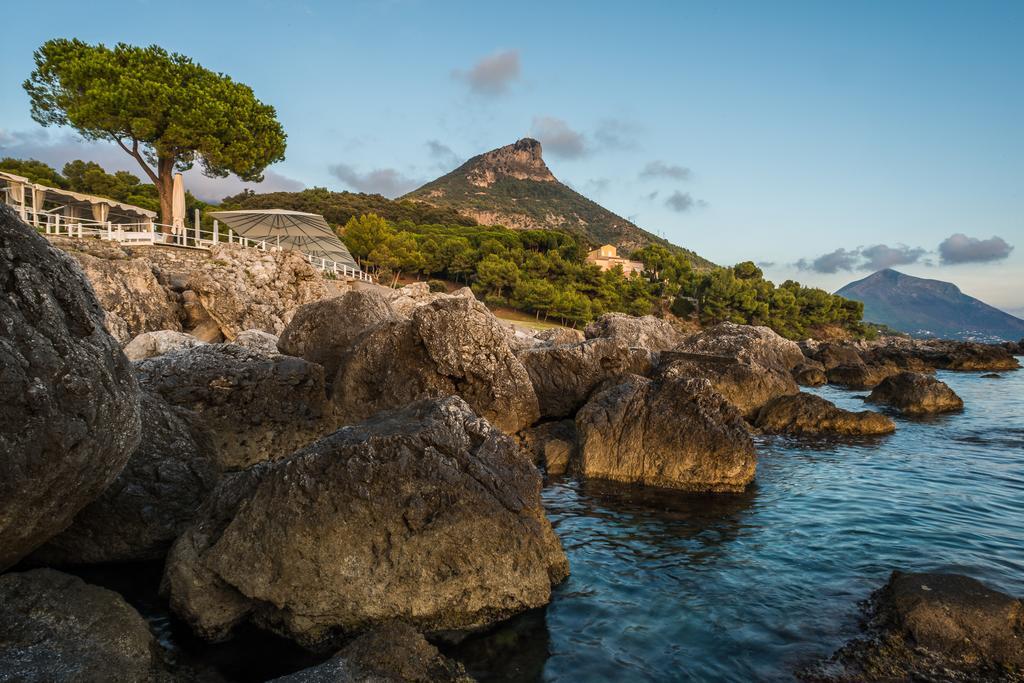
(134, 152)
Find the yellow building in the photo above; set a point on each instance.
(607, 257)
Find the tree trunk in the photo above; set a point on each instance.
(165, 187)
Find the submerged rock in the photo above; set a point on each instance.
(749, 343)
(256, 407)
(153, 500)
(933, 627)
(912, 393)
(450, 346)
(324, 331)
(674, 433)
(647, 332)
(150, 344)
(426, 514)
(69, 401)
(392, 653)
(808, 414)
(564, 376)
(744, 384)
(56, 627)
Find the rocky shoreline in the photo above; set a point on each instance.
(358, 470)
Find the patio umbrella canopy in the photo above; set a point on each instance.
(305, 232)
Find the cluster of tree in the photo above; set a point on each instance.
(339, 207)
(544, 272)
(89, 177)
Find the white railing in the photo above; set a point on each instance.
(164, 235)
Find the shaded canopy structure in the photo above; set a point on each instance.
(308, 233)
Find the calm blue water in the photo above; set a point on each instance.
(751, 587)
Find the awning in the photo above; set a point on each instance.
(305, 232)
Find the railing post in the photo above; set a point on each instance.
(216, 231)
(110, 232)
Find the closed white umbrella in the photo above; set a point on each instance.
(178, 205)
(308, 233)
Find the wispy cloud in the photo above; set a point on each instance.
(960, 248)
(660, 169)
(616, 134)
(681, 202)
(493, 74)
(385, 181)
(881, 256)
(444, 155)
(559, 138)
(832, 262)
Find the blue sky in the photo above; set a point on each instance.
(777, 132)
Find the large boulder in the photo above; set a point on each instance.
(965, 356)
(564, 376)
(134, 300)
(646, 332)
(391, 653)
(151, 502)
(56, 627)
(913, 393)
(69, 402)
(745, 384)
(933, 627)
(451, 346)
(553, 336)
(810, 373)
(324, 331)
(807, 414)
(426, 514)
(861, 375)
(676, 433)
(750, 343)
(407, 299)
(258, 341)
(157, 343)
(256, 407)
(832, 354)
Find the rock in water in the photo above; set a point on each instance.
(810, 373)
(743, 383)
(934, 627)
(153, 500)
(551, 443)
(676, 433)
(391, 653)
(862, 375)
(324, 331)
(56, 627)
(564, 376)
(426, 514)
(912, 393)
(69, 402)
(149, 344)
(451, 346)
(755, 344)
(256, 407)
(811, 415)
(647, 332)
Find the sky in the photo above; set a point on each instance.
(821, 140)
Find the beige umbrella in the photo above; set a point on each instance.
(308, 233)
(178, 205)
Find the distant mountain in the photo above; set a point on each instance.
(512, 186)
(930, 308)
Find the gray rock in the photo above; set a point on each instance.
(258, 341)
(150, 344)
(256, 407)
(324, 331)
(808, 414)
(810, 373)
(69, 402)
(676, 433)
(391, 653)
(646, 332)
(564, 376)
(559, 335)
(56, 627)
(426, 514)
(451, 346)
(913, 393)
(750, 343)
(151, 502)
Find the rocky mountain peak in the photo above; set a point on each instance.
(521, 160)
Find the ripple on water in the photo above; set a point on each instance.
(748, 587)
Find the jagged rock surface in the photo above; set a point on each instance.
(552, 444)
(451, 346)
(913, 393)
(745, 384)
(56, 627)
(677, 433)
(749, 343)
(647, 332)
(69, 402)
(150, 344)
(151, 502)
(426, 514)
(256, 407)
